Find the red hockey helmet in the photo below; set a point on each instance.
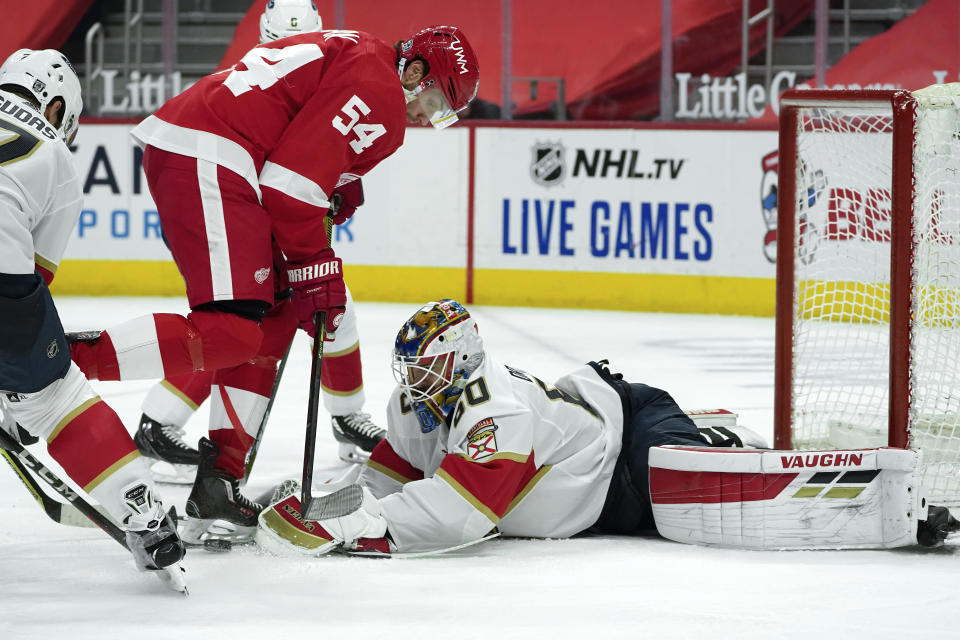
(451, 67)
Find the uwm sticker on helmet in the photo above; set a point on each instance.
(762, 499)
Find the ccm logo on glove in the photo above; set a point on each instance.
(314, 271)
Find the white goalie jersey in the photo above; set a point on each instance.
(40, 193)
(526, 457)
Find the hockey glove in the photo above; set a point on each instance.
(346, 198)
(372, 546)
(938, 525)
(318, 286)
(365, 522)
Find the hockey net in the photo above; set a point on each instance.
(868, 275)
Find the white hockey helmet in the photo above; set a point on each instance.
(47, 75)
(283, 18)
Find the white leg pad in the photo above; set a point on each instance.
(847, 499)
(713, 417)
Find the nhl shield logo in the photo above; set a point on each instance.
(547, 166)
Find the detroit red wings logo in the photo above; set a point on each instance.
(482, 440)
(261, 275)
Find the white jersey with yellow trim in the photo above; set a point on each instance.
(40, 192)
(529, 458)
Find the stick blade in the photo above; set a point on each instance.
(335, 505)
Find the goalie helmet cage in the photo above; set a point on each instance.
(868, 276)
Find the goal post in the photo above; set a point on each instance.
(868, 275)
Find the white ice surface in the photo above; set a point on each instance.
(77, 583)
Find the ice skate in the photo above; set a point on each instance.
(356, 436)
(171, 459)
(152, 536)
(216, 508)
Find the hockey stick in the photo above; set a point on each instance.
(313, 404)
(423, 554)
(9, 448)
(57, 511)
(24, 460)
(252, 453)
(313, 399)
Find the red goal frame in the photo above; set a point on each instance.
(903, 109)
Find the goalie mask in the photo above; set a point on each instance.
(47, 75)
(284, 18)
(435, 352)
(451, 70)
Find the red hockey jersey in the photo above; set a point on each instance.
(294, 117)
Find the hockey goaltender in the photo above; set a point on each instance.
(477, 448)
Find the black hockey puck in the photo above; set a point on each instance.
(217, 545)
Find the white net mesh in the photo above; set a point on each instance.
(842, 284)
(935, 332)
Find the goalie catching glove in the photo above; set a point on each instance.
(318, 286)
(282, 529)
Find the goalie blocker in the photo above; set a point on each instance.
(763, 499)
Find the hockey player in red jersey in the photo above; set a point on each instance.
(251, 158)
(475, 445)
(170, 403)
(44, 395)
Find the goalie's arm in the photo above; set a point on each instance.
(387, 471)
(461, 503)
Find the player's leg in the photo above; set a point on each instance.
(48, 396)
(219, 236)
(170, 403)
(341, 379)
(240, 394)
(651, 418)
(160, 434)
(238, 401)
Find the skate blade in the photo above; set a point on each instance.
(172, 473)
(196, 531)
(351, 453)
(174, 577)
